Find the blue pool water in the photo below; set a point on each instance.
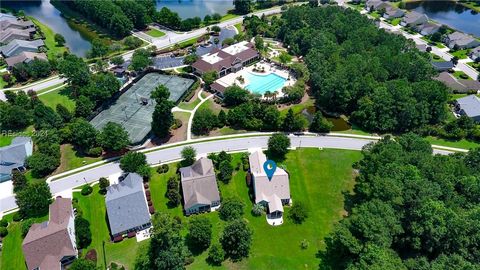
(259, 84)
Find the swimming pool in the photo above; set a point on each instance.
(259, 84)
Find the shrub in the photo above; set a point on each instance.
(231, 208)
(26, 224)
(304, 244)
(91, 255)
(3, 232)
(464, 76)
(95, 151)
(216, 255)
(103, 184)
(258, 209)
(3, 223)
(163, 168)
(86, 190)
(82, 232)
(298, 213)
(17, 216)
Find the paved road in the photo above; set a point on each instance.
(202, 148)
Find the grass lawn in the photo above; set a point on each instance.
(5, 140)
(53, 48)
(2, 82)
(189, 105)
(188, 42)
(440, 45)
(436, 58)
(297, 108)
(228, 16)
(72, 159)
(239, 27)
(459, 74)
(461, 54)
(474, 65)
(59, 96)
(465, 144)
(318, 178)
(155, 33)
(471, 4)
(396, 21)
(375, 15)
(210, 104)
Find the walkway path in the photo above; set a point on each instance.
(192, 113)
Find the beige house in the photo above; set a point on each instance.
(274, 193)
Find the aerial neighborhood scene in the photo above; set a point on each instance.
(239, 134)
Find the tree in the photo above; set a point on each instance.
(207, 19)
(99, 48)
(204, 121)
(199, 233)
(140, 60)
(83, 234)
(84, 135)
(42, 164)
(113, 137)
(216, 254)
(133, 161)
(19, 181)
(75, 69)
(225, 171)
(298, 213)
(222, 118)
(103, 184)
(216, 29)
(259, 43)
(64, 113)
(45, 118)
(231, 208)
(82, 264)
(284, 58)
(84, 107)
(190, 59)
(173, 192)
(117, 60)
(34, 199)
(216, 40)
(320, 123)
(132, 42)
(162, 118)
(188, 156)
(228, 42)
(236, 240)
(293, 122)
(235, 95)
(278, 145)
(209, 77)
(216, 17)
(242, 6)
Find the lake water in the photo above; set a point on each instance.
(454, 15)
(46, 13)
(200, 8)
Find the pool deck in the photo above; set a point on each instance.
(232, 78)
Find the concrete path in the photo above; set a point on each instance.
(192, 113)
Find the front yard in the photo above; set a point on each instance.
(461, 54)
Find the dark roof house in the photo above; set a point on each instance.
(51, 244)
(126, 204)
(17, 46)
(199, 187)
(442, 66)
(13, 156)
(413, 18)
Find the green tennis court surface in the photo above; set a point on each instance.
(134, 108)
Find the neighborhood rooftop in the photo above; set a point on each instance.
(18, 46)
(50, 243)
(126, 204)
(469, 105)
(13, 156)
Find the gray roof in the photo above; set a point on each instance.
(6, 23)
(442, 65)
(461, 39)
(24, 57)
(414, 17)
(199, 184)
(13, 156)
(5, 16)
(270, 191)
(12, 34)
(470, 105)
(18, 46)
(126, 204)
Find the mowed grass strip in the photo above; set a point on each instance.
(155, 33)
(59, 96)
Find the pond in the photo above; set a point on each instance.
(46, 13)
(200, 8)
(339, 123)
(449, 13)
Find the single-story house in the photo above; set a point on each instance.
(427, 28)
(227, 60)
(15, 24)
(272, 193)
(17, 46)
(413, 18)
(421, 47)
(12, 33)
(469, 106)
(475, 54)
(392, 12)
(126, 204)
(199, 187)
(5, 16)
(13, 156)
(24, 57)
(442, 65)
(51, 244)
(458, 85)
(459, 40)
(119, 71)
(376, 5)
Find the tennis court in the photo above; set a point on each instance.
(134, 108)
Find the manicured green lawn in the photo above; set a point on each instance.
(465, 144)
(5, 140)
(239, 27)
(459, 74)
(189, 105)
(59, 96)
(155, 33)
(72, 159)
(317, 177)
(53, 49)
(461, 54)
(228, 16)
(188, 42)
(2, 82)
(396, 21)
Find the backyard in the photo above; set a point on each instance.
(53, 48)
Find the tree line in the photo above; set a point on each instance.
(410, 210)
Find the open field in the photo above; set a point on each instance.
(59, 96)
(155, 33)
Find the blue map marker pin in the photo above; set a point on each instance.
(270, 166)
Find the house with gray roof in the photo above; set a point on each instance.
(5, 16)
(199, 187)
(459, 40)
(273, 193)
(371, 5)
(413, 18)
(475, 54)
(12, 33)
(24, 57)
(127, 208)
(428, 28)
(392, 12)
(442, 65)
(13, 157)
(51, 244)
(469, 106)
(17, 46)
(6, 23)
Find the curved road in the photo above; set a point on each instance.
(172, 153)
